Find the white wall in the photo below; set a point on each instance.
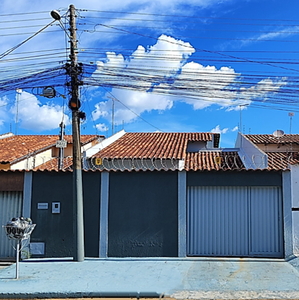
(295, 223)
(295, 205)
(33, 161)
(104, 143)
(295, 185)
(251, 156)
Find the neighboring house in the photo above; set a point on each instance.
(26, 152)
(281, 152)
(20, 152)
(11, 205)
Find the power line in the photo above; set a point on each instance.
(137, 115)
(22, 43)
(186, 16)
(202, 50)
(140, 77)
(24, 13)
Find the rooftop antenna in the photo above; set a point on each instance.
(19, 91)
(243, 105)
(291, 115)
(113, 107)
(240, 129)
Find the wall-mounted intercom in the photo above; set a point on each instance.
(55, 207)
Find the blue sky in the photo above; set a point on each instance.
(172, 65)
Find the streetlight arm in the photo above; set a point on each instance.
(56, 16)
(17, 46)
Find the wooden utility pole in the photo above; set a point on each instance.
(74, 105)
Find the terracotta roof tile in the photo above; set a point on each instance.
(213, 160)
(154, 145)
(282, 160)
(52, 165)
(18, 146)
(270, 139)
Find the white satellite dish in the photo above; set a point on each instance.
(278, 133)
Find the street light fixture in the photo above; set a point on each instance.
(55, 15)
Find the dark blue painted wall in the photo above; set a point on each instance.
(143, 214)
(56, 230)
(143, 209)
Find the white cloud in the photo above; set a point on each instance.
(277, 34)
(150, 74)
(101, 127)
(35, 116)
(142, 70)
(145, 66)
(207, 83)
(261, 90)
(218, 130)
(100, 111)
(150, 70)
(130, 105)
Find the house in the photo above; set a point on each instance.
(30, 152)
(26, 152)
(210, 195)
(281, 152)
(152, 151)
(166, 195)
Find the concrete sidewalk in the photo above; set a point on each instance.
(199, 278)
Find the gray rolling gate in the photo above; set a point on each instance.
(10, 206)
(234, 221)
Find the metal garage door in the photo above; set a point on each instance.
(10, 206)
(234, 221)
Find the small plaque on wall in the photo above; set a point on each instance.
(42, 205)
(37, 248)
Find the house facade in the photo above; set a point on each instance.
(166, 195)
(28, 152)
(281, 152)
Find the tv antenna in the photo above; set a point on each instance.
(291, 115)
